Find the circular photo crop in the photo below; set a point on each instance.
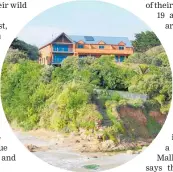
(86, 86)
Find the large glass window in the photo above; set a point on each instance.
(60, 47)
(116, 58)
(122, 58)
(58, 58)
(119, 58)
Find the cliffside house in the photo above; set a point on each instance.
(64, 45)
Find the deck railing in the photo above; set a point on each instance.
(58, 60)
(63, 50)
(104, 51)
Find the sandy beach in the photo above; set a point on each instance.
(67, 158)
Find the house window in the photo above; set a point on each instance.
(57, 59)
(122, 58)
(101, 47)
(121, 48)
(80, 46)
(116, 58)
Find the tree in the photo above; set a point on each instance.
(23, 94)
(154, 56)
(145, 40)
(30, 50)
(14, 56)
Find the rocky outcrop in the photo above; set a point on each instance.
(34, 148)
(110, 146)
(107, 145)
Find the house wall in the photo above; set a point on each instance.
(107, 50)
(93, 50)
(45, 55)
(62, 45)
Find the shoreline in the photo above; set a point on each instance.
(84, 145)
(65, 157)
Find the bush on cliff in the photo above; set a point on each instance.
(63, 98)
(22, 92)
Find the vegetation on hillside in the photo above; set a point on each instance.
(66, 98)
(154, 76)
(30, 50)
(144, 41)
(83, 92)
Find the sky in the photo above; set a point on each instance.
(90, 18)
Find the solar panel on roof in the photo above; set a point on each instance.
(89, 38)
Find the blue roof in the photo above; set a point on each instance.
(97, 39)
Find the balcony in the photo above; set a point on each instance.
(58, 58)
(63, 50)
(126, 51)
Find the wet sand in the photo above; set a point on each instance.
(67, 158)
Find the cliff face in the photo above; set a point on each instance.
(139, 122)
(135, 114)
(158, 116)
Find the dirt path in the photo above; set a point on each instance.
(65, 157)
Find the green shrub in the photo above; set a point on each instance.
(88, 117)
(139, 58)
(111, 113)
(77, 94)
(115, 97)
(30, 123)
(155, 51)
(47, 74)
(164, 59)
(136, 103)
(152, 105)
(22, 93)
(123, 102)
(110, 133)
(160, 98)
(15, 56)
(156, 62)
(165, 108)
(70, 63)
